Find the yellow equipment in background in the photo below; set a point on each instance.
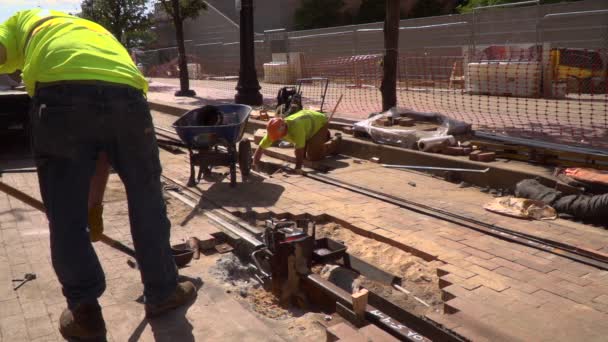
(583, 70)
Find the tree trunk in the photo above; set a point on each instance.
(391, 56)
(184, 81)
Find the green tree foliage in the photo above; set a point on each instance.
(128, 20)
(319, 13)
(189, 9)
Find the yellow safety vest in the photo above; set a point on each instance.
(51, 46)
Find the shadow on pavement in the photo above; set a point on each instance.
(252, 194)
(172, 326)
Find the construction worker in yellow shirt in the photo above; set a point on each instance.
(89, 101)
(307, 130)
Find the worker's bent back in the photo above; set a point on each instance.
(51, 46)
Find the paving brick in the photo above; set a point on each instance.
(447, 243)
(549, 285)
(521, 286)
(48, 338)
(453, 291)
(524, 297)
(494, 283)
(553, 298)
(9, 308)
(508, 264)
(455, 270)
(472, 308)
(511, 274)
(483, 263)
(545, 268)
(39, 326)
(603, 299)
(584, 298)
(572, 287)
(577, 269)
(13, 328)
(476, 252)
(450, 279)
(34, 309)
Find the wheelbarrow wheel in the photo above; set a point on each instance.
(245, 157)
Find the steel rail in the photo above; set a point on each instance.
(550, 246)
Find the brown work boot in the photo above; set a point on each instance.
(83, 323)
(184, 292)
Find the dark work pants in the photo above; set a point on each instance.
(71, 125)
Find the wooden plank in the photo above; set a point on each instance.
(360, 303)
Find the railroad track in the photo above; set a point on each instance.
(393, 319)
(555, 247)
(550, 246)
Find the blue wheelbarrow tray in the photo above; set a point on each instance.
(235, 119)
(201, 141)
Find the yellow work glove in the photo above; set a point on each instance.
(96, 222)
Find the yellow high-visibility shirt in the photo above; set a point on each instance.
(51, 46)
(301, 126)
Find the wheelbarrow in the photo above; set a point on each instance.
(214, 144)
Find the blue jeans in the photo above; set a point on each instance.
(71, 125)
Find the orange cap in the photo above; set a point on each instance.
(277, 129)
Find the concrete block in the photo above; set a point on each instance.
(206, 242)
(453, 150)
(486, 157)
(475, 155)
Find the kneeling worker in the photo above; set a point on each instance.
(307, 130)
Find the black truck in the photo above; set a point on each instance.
(14, 104)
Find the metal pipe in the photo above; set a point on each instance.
(409, 293)
(434, 26)
(433, 168)
(257, 263)
(30, 170)
(513, 4)
(540, 144)
(372, 314)
(322, 35)
(235, 230)
(574, 14)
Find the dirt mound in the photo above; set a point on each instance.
(419, 276)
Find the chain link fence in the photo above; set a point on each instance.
(537, 72)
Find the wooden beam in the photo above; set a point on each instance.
(360, 303)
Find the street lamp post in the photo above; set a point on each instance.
(248, 87)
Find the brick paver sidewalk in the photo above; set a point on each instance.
(31, 313)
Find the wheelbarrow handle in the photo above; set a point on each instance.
(29, 170)
(35, 203)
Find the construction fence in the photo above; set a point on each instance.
(539, 71)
